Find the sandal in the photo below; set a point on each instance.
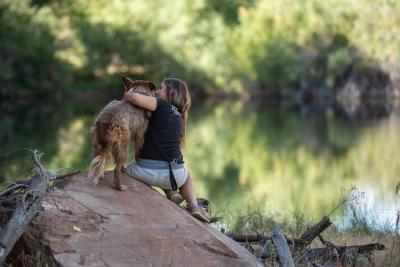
(200, 214)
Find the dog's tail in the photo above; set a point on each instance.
(97, 168)
(100, 161)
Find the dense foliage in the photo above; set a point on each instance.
(235, 45)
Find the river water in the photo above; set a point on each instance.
(280, 159)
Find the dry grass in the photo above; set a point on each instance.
(388, 257)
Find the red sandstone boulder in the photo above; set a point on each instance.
(138, 227)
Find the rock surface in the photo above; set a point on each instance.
(138, 227)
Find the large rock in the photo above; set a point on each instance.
(138, 227)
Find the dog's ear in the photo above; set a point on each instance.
(128, 82)
(152, 86)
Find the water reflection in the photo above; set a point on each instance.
(370, 108)
(292, 161)
(281, 157)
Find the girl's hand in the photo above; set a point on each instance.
(126, 97)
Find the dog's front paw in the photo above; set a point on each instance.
(121, 187)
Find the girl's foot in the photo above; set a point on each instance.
(200, 214)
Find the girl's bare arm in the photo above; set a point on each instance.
(143, 101)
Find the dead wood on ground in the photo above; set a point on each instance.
(272, 249)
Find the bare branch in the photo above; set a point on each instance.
(282, 248)
(25, 210)
(12, 188)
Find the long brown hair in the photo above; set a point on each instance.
(178, 95)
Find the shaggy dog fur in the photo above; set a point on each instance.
(114, 127)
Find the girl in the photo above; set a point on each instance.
(163, 141)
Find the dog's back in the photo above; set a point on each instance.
(121, 114)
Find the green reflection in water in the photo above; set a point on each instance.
(240, 154)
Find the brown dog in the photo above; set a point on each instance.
(114, 127)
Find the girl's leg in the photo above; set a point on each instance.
(188, 192)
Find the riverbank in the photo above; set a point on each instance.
(252, 229)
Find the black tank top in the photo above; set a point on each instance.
(167, 123)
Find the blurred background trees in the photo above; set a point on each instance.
(235, 46)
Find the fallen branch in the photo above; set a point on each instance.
(260, 238)
(308, 236)
(282, 248)
(265, 252)
(318, 253)
(12, 189)
(360, 249)
(315, 230)
(25, 184)
(26, 208)
(249, 238)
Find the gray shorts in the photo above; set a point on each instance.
(156, 173)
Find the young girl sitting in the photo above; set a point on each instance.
(162, 144)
